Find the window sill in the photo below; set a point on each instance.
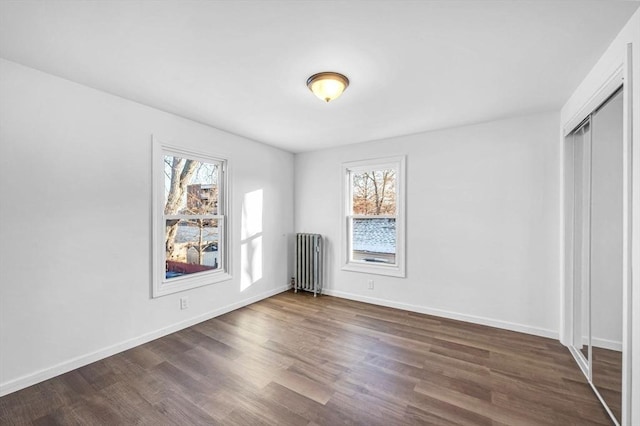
(391, 271)
(176, 285)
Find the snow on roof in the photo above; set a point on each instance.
(374, 235)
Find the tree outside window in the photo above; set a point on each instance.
(191, 203)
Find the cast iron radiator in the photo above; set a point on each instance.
(308, 263)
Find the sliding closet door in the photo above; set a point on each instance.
(581, 203)
(606, 251)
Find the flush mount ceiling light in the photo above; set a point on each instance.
(327, 85)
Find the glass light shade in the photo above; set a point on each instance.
(327, 85)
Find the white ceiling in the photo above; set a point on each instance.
(242, 66)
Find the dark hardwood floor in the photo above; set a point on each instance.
(607, 377)
(296, 360)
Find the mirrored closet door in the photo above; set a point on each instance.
(598, 250)
(581, 138)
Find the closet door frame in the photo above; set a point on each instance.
(620, 77)
(579, 204)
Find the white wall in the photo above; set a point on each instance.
(613, 58)
(483, 231)
(75, 191)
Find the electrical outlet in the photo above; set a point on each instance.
(184, 302)
(370, 284)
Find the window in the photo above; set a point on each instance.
(190, 219)
(373, 234)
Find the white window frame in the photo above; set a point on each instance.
(162, 286)
(348, 264)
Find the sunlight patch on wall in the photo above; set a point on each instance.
(251, 239)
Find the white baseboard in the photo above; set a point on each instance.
(72, 364)
(606, 344)
(446, 314)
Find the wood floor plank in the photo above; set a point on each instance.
(294, 359)
(311, 410)
(427, 410)
(298, 383)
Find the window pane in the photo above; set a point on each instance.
(190, 186)
(374, 192)
(191, 246)
(374, 240)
